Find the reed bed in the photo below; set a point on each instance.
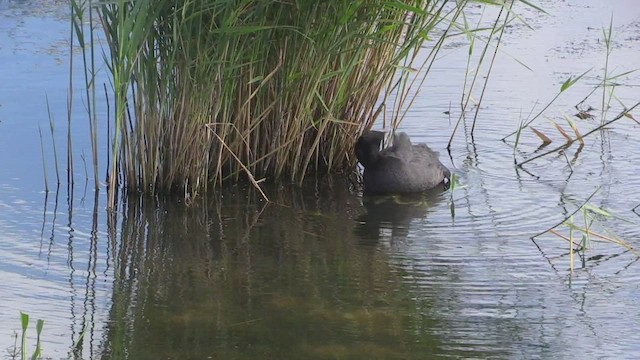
(211, 91)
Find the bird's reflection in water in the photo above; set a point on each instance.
(393, 213)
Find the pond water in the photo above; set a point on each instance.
(321, 272)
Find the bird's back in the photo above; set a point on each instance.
(405, 168)
(426, 163)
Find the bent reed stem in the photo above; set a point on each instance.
(570, 141)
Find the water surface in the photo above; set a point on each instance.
(321, 272)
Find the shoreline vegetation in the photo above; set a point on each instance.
(208, 92)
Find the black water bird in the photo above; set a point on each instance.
(401, 168)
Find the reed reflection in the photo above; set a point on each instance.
(234, 277)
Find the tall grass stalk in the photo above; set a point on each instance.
(571, 252)
(83, 29)
(75, 17)
(44, 162)
(515, 145)
(607, 36)
(86, 172)
(409, 90)
(495, 29)
(24, 322)
(53, 140)
(498, 27)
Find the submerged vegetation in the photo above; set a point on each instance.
(581, 233)
(207, 91)
(586, 224)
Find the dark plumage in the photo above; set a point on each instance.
(401, 168)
